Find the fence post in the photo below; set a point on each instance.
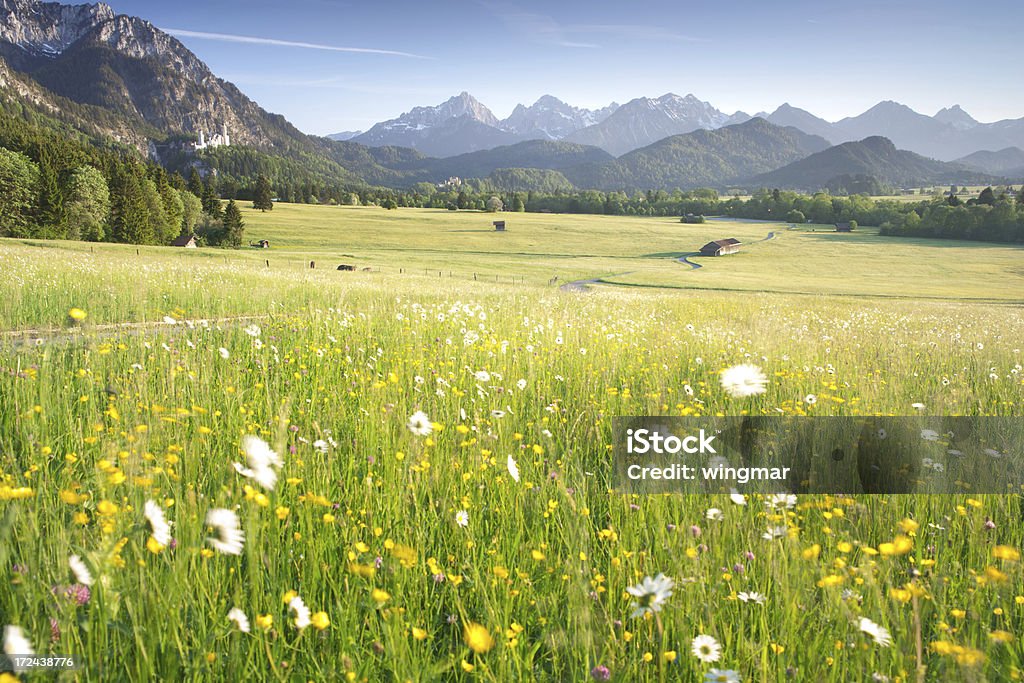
(312, 265)
(268, 263)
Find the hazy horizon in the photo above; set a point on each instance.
(331, 66)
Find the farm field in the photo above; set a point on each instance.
(437, 505)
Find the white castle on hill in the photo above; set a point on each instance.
(221, 139)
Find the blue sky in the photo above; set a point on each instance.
(331, 65)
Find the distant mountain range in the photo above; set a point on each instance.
(950, 134)
(119, 80)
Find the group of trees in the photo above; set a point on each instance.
(56, 186)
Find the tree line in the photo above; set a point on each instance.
(58, 186)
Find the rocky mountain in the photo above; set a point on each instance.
(875, 157)
(460, 124)
(89, 55)
(701, 158)
(644, 120)
(1008, 162)
(549, 118)
(956, 117)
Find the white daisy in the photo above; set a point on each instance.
(321, 446)
(462, 518)
(224, 353)
(80, 570)
(781, 500)
(238, 616)
(513, 468)
(917, 406)
(650, 594)
(706, 649)
(419, 424)
(929, 435)
(300, 611)
(810, 399)
(482, 376)
(521, 384)
(714, 514)
(752, 596)
(262, 460)
(878, 633)
(15, 643)
(744, 380)
(158, 524)
(773, 533)
(228, 537)
(253, 330)
(721, 676)
(738, 498)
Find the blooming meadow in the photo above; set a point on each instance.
(410, 481)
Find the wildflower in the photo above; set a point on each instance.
(15, 643)
(650, 594)
(477, 637)
(241, 621)
(320, 621)
(321, 446)
(158, 524)
(810, 399)
(80, 570)
(521, 384)
(714, 514)
(752, 596)
(419, 633)
(513, 468)
(1005, 552)
(228, 537)
(721, 676)
(482, 376)
(878, 633)
(419, 424)
(706, 649)
(742, 381)
(262, 460)
(253, 330)
(380, 596)
(738, 498)
(265, 621)
(300, 612)
(774, 532)
(462, 518)
(224, 353)
(601, 673)
(77, 314)
(778, 501)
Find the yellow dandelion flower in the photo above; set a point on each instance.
(419, 633)
(265, 621)
(477, 637)
(77, 314)
(1006, 552)
(320, 621)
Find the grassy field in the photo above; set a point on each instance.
(417, 553)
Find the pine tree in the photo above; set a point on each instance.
(262, 197)
(195, 183)
(211, 200)
(234, 226)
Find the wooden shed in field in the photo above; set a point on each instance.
(499, 226)
(844, 227)
(729, 245)
(186, 241)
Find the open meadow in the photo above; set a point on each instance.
(283, 473)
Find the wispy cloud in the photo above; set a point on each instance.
(253, 40)
(535, 27)
(638, 31)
